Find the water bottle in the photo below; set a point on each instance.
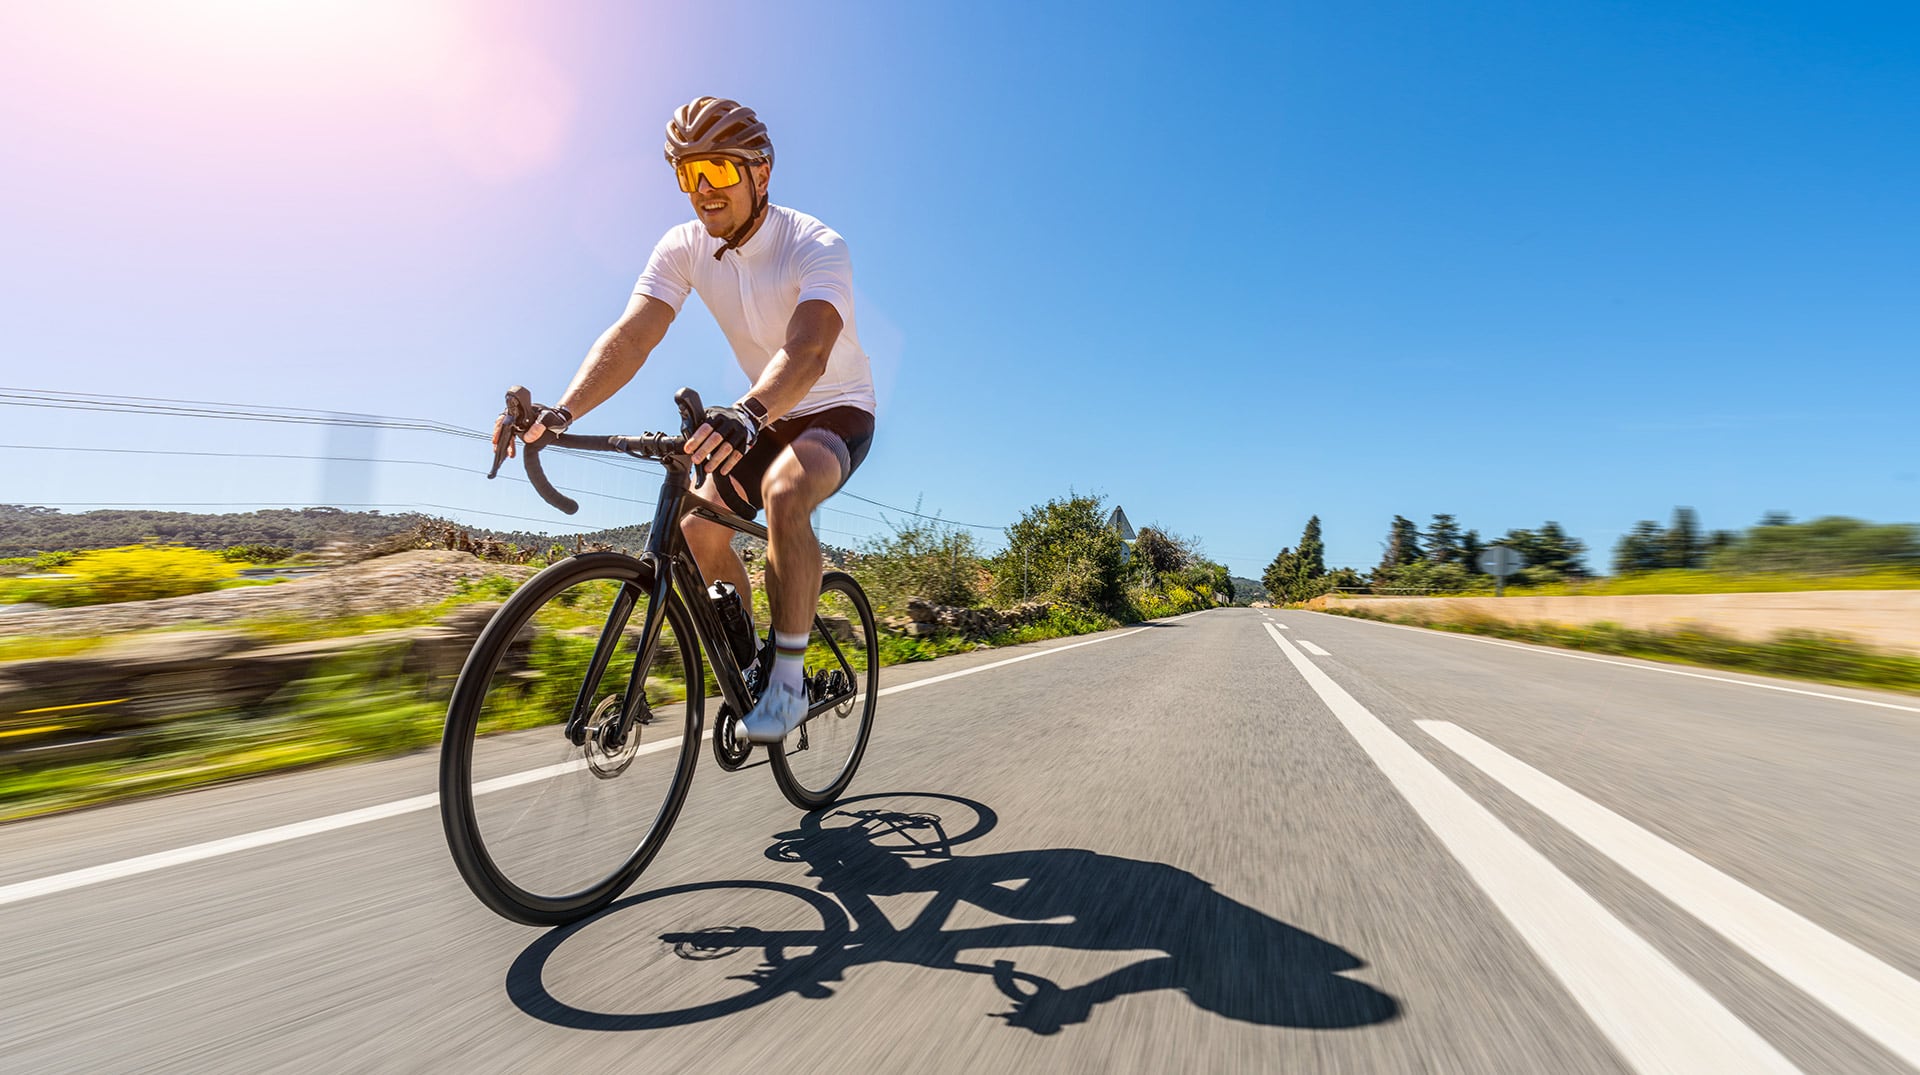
(733, 620)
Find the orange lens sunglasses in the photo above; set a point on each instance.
(719, 174)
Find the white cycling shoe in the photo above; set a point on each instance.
(780, 710)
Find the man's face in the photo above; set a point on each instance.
(722, 211)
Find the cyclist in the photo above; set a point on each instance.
(780, 284)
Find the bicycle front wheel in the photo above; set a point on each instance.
(556, 786)
(816, 762)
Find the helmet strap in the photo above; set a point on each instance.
(759, 207)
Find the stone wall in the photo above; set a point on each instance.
(123, 696)
(926, 618)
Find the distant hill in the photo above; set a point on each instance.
(27, 531)
(1247, 590)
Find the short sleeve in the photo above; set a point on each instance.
(667, 276)
(826, 272)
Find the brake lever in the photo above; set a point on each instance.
(519, 416)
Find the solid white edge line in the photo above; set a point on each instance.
(1313, 649)
(180, 856)
(930, 680)
(1859, 988)
(1551, 652)
(1658, 1018)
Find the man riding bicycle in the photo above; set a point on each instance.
(780, 284)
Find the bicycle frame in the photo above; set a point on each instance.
(671, 565)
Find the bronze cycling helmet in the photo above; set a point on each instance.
(717, 127)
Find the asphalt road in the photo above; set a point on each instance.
(1235, 841)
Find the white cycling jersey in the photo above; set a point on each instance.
(753, 290)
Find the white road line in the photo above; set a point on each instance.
(1278, 624)
(1659, 1019)
(1643, 667)
(1859, 988)
(930, 680)
(180, 856)
(1313, 649)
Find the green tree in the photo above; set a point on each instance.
(1641, 549)
(1313, 551)
(1443, 540)
(1158, 551)
(1281, 576)
(1070, 555)
(1470, 549)
(1682, 546)
(1402, 548)
(1557, 555)
(1832, 545)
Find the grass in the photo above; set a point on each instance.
(350, 710)
(1795, 654)
(1704, 582)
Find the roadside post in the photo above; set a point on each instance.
(1500, 561)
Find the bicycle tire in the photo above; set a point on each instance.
(808, 782)
(478, 845)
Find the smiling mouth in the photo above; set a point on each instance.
(713, 207)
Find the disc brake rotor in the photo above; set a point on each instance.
(606, 758)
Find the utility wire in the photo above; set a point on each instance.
(188, 408)
(315, 458)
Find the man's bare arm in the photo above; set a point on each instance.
(615, 357)
(811, 333)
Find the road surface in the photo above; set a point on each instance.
(1240, 840)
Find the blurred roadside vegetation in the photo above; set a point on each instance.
(1801, 655)
(365, 704)
(1775, 555)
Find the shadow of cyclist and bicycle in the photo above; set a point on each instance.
(1223, 956)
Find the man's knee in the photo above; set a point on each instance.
(805, 475)
(705, 536)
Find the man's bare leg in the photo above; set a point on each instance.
(802, 475)
(800, 479)
(712, 548)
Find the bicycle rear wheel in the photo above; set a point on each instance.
(814, 764)
(556, 788)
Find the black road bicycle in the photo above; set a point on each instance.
(576, 722)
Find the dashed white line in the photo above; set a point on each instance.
(1313, 649)
(1859, 988)
(1658, 1018)
(180, 856)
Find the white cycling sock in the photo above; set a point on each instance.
(789, 658)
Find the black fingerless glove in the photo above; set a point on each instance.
(734, 427)
(556, 419)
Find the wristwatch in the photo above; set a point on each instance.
(755, 411)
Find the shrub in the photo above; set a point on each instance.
(922, 558)
(1065, 551)
(129, 573)
(255, 554)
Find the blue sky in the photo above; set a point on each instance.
(1228, 266)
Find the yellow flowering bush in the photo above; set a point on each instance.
(128, 573)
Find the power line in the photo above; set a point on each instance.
(920, 515)
(161, 406)
(149, 405)
(311, 458)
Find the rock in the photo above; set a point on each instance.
(468, 620)
(404, 580)
(839, 628)
(921, 630)
(145, 654)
